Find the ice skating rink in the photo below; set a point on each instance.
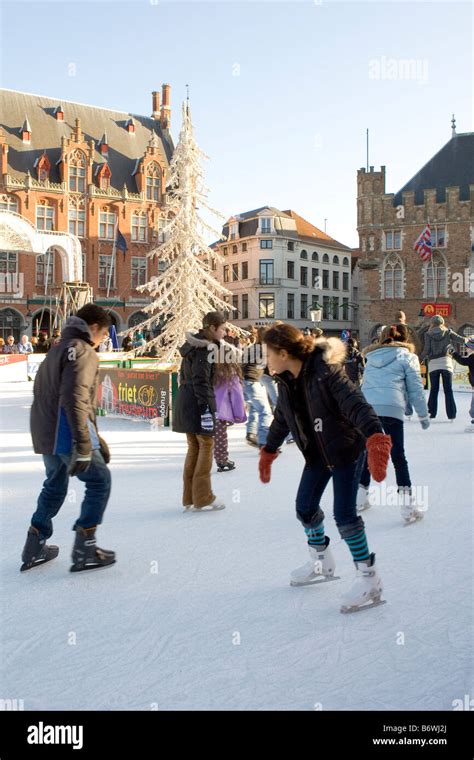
(198, 614)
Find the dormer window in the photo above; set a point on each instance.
(104, 145)
(103, 175)
(130, 126)
(265, 224)
(234, 230)
(43, 167)
(59, 113)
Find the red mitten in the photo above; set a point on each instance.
(265, 464)
(378, 446)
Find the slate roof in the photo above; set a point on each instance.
(46, 134)
(452, 166)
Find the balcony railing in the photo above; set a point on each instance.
(266, 282)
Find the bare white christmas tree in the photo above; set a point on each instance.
(187, 288)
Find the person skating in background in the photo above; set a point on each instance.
(259, 413)
(25, 346)
(468, 361)
(391, 379)
(332, 425)
(354, 362)
(438, 339)
(195, 411)
(10, 346)
(230, 407)
(42, 346)
(64, 431)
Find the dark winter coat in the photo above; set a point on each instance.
(196, 385)
(64, 404)
(354, 365)
(466, 361)
(13, 349)
(338, 414)
(42, 347)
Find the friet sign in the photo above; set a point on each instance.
(436, 309)
(134, 393)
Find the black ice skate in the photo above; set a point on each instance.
(36, 551)
(251, 439)
(86, 555)
(225, 466)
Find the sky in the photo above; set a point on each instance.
(281, 93)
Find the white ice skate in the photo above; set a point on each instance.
(410, 512)
(214, 506)
(319, 569)
(366, 590)
(362, 502)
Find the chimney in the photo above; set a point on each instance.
(104, 145)
(59, 113)
(155, 105)
(165, 117)
(4, 154)
(26, 131)
(130, 125)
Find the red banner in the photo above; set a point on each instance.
(439, 309)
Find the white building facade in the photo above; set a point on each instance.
(278, 266)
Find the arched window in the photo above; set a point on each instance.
(345, 261)
(304, 254)
(466, 329)
(436, 276)
(153, 182)
(77, 216)
(77, 172)
(137, 317)
(11, 323)
(335, 260)
(315, 256)
(392, 277)
(325, 259)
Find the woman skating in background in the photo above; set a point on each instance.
(332, 424)
(438, 339)
(195, 409)
(230, 406)
(391, 380)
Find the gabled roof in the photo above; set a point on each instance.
(307, 230)
(47, 131)
(452, 166)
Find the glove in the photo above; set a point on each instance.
(79, 462)
(265, 464)
(104, 450)
(425, 422)
(378, 446)
(207, 421)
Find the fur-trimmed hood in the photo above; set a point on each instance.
(333, 349)
(194, 340)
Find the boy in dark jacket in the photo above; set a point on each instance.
(195, 408)
(468, 361)
(64, 431)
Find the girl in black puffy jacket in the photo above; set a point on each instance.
(332, 425)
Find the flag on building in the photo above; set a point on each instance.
(120, 241)
(423, 244)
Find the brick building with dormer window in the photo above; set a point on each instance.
(76, 168)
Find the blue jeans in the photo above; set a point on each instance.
(259, 414)
(394, 428)
(55, 488)
(345, 480)
(271, 388)
(448, 393)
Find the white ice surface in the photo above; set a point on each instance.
(129, 638)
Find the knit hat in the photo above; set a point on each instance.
(437, 320)
(470, 343)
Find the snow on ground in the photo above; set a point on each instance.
(218, 626)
